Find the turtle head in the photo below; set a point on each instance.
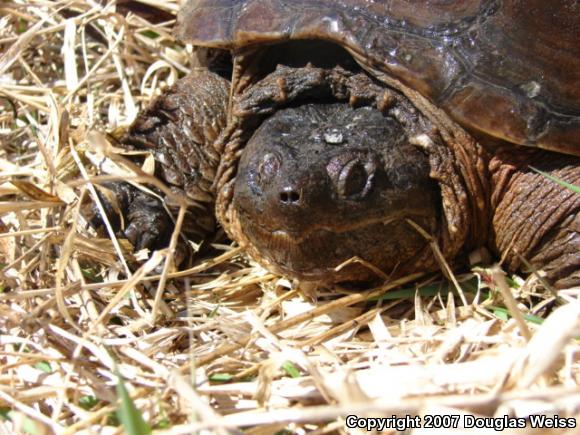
(320, 184)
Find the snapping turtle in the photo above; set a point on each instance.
(320, 131)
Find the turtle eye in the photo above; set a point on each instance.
(352, 179)
(352, 176)
(268, 167)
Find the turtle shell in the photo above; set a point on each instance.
(507, 69)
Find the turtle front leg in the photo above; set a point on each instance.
(537, 220)
(179, 128)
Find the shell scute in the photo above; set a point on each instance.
(508, 69)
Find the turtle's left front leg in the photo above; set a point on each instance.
(537, 220)
(179, 128)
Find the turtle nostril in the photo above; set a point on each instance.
(289, 196)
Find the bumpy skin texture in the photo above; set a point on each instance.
(179, 128)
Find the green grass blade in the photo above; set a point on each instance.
(221, 377)
(128, 414)
(504, 314)
(572, 187)
(291, 369)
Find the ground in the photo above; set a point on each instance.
(96, 338)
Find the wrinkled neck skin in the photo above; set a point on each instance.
(306, 186)
(536, 222)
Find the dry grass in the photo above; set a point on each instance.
(224, 345)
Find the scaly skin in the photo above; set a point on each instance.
(535, 219)
(179, 128)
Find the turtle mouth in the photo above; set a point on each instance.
(294, 235)
(297, 236)
(313, 254)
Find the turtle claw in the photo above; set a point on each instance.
(145, 234)
(134, 214)
(148, 225)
